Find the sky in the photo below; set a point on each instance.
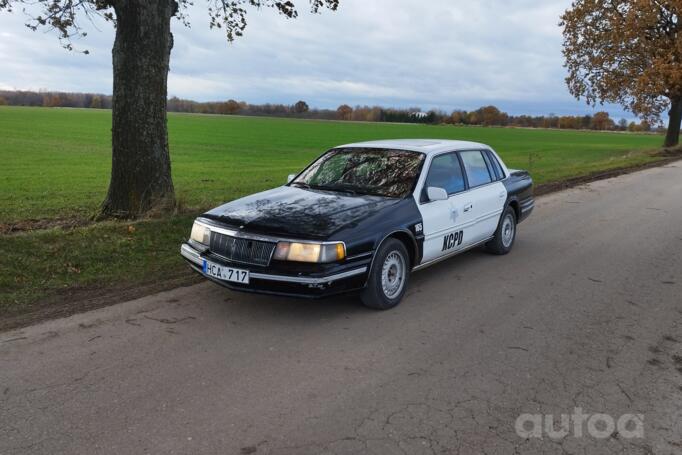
(443, 54)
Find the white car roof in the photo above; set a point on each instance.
(426, 146)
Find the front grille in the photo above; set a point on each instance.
(242, 250)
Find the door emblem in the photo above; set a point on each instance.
(453, 215)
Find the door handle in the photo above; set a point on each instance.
(468, 207)
(502, 194)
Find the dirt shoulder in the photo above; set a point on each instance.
(79, 300)
(667, 156)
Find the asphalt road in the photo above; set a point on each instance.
(586, 312)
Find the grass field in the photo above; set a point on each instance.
(55, 163)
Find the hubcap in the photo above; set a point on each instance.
(393, 275)
(507, 231)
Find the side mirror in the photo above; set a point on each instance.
(290, 177)
(436, 194)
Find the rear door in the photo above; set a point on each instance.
(487, 195)
(447, 223)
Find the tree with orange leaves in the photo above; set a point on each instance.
(627, 52)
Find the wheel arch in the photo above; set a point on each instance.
(514, 204)
(406, 238)
(410, 244)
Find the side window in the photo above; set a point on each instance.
(496, 165)
(446, 173)
(476, 168)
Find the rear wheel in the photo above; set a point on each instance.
(388, 277)
(505, 234)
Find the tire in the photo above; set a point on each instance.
(388, 277)
(505, 235)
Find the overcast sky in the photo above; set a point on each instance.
(449, 54)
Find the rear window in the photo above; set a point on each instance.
(476, 168)
(497, 169)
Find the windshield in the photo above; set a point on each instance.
(390, 173)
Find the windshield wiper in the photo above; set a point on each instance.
(322, 187)
(335, 188)
(301, 184)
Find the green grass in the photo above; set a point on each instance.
(55, 163)
(43, 264)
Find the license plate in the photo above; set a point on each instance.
(224, 273)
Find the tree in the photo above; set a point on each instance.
(602, 122)
(490, 115)
(50, 100)
(627, 52)
(458, 117)
(567, 122)
(345, 112)
(141, 170)
(229, 107)
(472, 118)
(301, 107)
(3, 101)
(96, 102)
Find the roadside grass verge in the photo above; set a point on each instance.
(46, 264)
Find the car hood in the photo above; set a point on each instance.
(298, 213)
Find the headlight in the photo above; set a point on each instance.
(310, 252)
(200, 233)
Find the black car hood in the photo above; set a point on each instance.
(298, 213)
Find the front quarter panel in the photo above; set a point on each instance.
(364, 237)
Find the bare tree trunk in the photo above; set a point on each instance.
(672, 138)
(140, 169)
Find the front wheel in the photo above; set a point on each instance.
(388, 277)
(505, 234)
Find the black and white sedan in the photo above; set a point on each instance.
(361, 218)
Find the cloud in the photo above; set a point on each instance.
(443, 53)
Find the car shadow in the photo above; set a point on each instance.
(233, 304)
(438, 270)
(287, 309)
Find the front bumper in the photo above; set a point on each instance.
(335, 280)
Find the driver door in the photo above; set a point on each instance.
(447, 223)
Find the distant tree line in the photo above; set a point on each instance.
(492, 116)
(484, 116)
(55, 99)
